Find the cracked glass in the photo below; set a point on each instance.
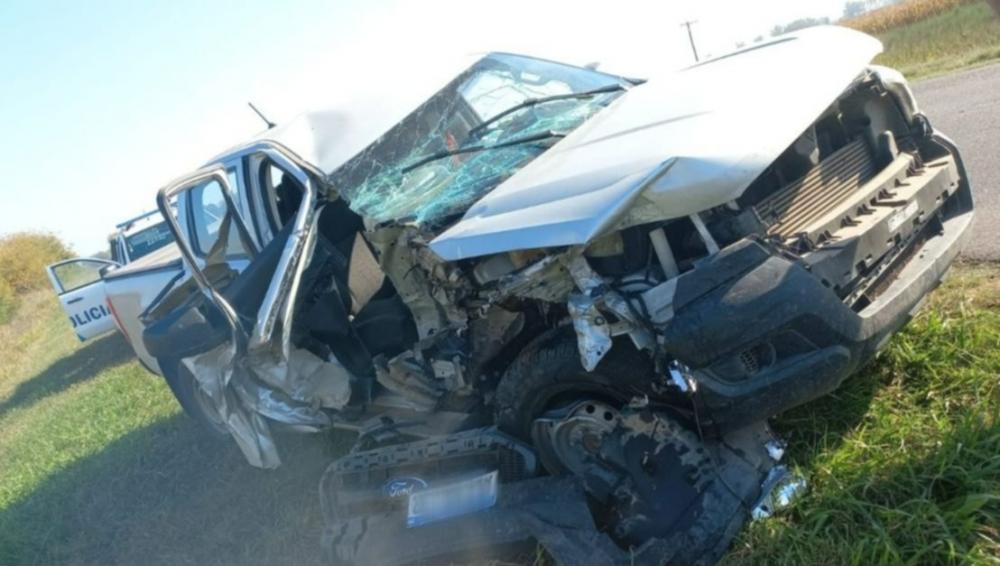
(469, 137)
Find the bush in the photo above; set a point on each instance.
(23, 257)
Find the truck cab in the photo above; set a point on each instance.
(256, 183)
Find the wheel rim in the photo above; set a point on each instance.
(568, 439)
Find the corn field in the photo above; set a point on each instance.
(906, 12)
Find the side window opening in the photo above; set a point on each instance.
(282, 191)
(212, 220)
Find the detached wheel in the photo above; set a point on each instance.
(195, 401)
(548, 375)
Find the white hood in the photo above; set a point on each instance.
(678, 144)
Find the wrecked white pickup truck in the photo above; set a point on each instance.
(559, 304)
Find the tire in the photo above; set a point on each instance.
(549, 370)
(191, 398)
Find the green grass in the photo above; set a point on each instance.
(97, 466)
(7, 309)
(963, 36)
(904, 459)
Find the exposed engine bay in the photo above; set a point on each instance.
(629, 377)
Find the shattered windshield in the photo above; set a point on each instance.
(470, 136)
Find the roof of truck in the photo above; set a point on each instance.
(328, 138)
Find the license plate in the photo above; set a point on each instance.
(447, 501)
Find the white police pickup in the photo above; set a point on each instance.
(79, 282)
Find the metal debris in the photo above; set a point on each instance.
(780, 490)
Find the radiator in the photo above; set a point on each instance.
(793, 209)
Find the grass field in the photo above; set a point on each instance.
(904, 459)
(930, 37)
(97, 466)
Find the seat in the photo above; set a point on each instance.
(345, 303)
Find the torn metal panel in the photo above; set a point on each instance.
(212, 370)
(409, 375)
(593, 329)
(253, 435)
(780, 489)
(490, 333)
(365, 277)
(214, 373)
(680, 377)
(593, 332)
(305, 377)
(278, 407)
(245, 404)
(547, 279)
(400, 256)
(659, 301)
(776, 449)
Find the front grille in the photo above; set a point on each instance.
(794, 208)
(353, 484)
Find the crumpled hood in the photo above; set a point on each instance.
(678, 144)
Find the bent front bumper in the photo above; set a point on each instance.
(764, 334)
(654, 493)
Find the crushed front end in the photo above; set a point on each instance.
(687, 334)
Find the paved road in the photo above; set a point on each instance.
(966, 106)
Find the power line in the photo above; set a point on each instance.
(694, 49)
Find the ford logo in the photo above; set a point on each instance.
(398, 487)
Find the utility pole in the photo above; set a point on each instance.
(694, 49)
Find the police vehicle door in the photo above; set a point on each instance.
(80, 288)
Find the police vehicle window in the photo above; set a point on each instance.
(72, 276)
(208, 215)
(283, 190)
(147, 241)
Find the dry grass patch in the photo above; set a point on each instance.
(23, 257)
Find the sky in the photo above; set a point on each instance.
(103, 102)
